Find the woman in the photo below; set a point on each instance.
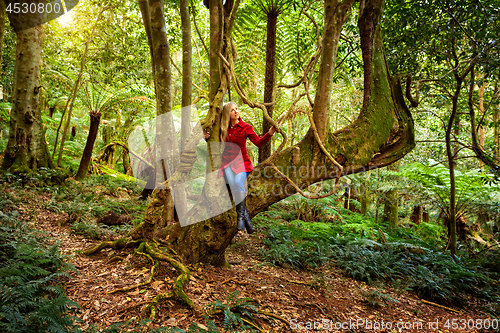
(236, 165)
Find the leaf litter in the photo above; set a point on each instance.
(287, 299)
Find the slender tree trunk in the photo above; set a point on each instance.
(452, 245)
(216, 33)
(496, 113)
(451, 165)
(456, 131)
(336, 12)
(391, 201)
(26, 148)
(480, 95)
(269, 79)
(187, 76)
(2, 32)
(95, 120)
(146, 20)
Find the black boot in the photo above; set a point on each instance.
(240, 209)
(248, 222)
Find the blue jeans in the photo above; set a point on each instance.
(236, 181)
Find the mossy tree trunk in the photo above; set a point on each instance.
(26, 149)
(382, 134)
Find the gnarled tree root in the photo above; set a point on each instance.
(140, 250)
(155, 255)
(178, 287)
(118, 244)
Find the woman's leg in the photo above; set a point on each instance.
(238, 197)
(236, 181)
(239, 181)
(237, 184)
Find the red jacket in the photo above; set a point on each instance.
(238, 135)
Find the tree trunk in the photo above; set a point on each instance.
(2, 32)
(496, 113)
(480, 95)
(496, 117)
(391, 201)
(417, 215)
(187, 77)
(26, 149)
(365, 199)
(216, 37)
(269, 79)
(95, 120)
(187, 55)
(382, 134)
(456, 131)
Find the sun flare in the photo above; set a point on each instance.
(66, 19)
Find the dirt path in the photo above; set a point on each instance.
(289, 299)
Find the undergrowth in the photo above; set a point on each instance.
(408, 257)
(80, 203)
(31, 299)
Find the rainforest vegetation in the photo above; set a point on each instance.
(377, 199)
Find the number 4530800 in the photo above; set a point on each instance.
(32, 8)
(470, 324)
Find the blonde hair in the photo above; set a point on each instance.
(224, 120)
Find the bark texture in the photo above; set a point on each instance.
(95, 120)
(2, 32)
(269, 79)
(187, 77)
(26, 149)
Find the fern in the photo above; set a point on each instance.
(31, 299)
(232, 309)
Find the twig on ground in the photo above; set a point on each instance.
(439, 306)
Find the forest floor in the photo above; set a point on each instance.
(293, 300)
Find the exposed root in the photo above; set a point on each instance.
(153, 304)
(139, 250)
(148, 281)
(182, 279)
(150, 251)
(118, 244)
(252, 324)
(270, 314)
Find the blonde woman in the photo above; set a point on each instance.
(236, 164)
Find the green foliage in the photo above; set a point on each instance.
(233, 309)
(476, 191)
(409, 259)
(31, 299)
(376, 297)
(305, 209)
(90, 230)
